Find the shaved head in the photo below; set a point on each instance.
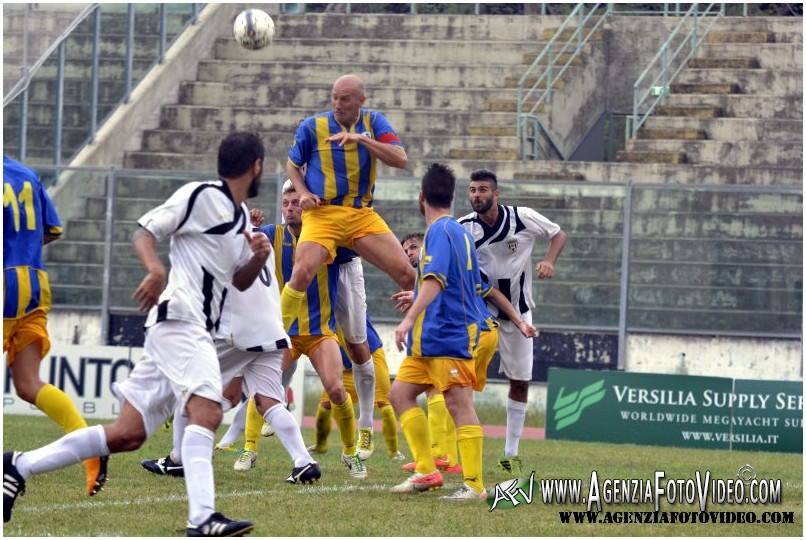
(349, 83)
(347, 98)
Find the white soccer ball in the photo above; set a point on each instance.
(253, 29)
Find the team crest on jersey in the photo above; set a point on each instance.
(512, 244)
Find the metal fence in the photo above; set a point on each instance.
(698, 260)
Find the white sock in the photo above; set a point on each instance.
(364, 378)
(516, 417)
(236, 427)
(180, 422)
(197, 457)
(287, 430)
(73, 448)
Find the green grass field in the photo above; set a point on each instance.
(136, 503)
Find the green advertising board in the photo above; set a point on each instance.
(674, 410)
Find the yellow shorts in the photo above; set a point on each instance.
(382, 385)
(488, 343)
(442, 372)
(331, 226)
(306, 345)
(27, 330)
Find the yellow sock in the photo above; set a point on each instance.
(251, 431)
(450, 441)
(471, 443)
(323, 426)
(345, 420)
(59, 408)
(415, 428)
(437, 413)
(389, 428)
(290, 305)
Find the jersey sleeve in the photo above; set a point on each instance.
(300, 151)
(536, 223)
(51, 223)
(163, 220)
(483, 286)
(437, 254)
(383, 130)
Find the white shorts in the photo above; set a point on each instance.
(515, 350)
(262, 372)
(179, 361)
(351, 302)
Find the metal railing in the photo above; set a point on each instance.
(66, 54)
(555, 58)
(647, 94)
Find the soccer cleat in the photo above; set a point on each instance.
(398, 456)
(266, 430)
(510, 464)
(97, 475)
(13, 483)
(168, 424)
(440, 463)
(365, 444)
(418, 482)
(219, 525)
(355, 466)
(313, 449)
(245, 461)
(164, 466)
(466, 493)
(307, 474)
(227, 448)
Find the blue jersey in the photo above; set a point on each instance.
(373, 340)
(28, 215)
(341, 175)
(449, 326)
(318, 307)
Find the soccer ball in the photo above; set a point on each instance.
(253, 29)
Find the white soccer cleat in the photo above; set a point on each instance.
(398, 456)
(266, 430)
(246, 461)
(419, 482)
(466, 493)
(365, 445)
(355, 466)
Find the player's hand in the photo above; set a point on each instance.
(309, 200)
(527, 329)
(545, 270)
(404, 300)
(259, 244)
(257, 217)
(344, 137)
(148, 292)
(402, 333)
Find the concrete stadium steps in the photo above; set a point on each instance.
(76, 89)
(316, 97)
(43, 136)
(429, 27)
(362, 51)
(87, 275)
(398, 74)
(109, 68)
(757, 106)
(716, 319)
(733, 129)
(767, 55)
(111, 45)
(648, 199)
(424, 121)
(737, 153)
(777, 82)
(754, 37)
(42, 115)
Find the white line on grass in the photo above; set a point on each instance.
(139, 501)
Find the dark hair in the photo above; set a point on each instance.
(438, 185)
(411, 236)
(483, 175)
(238, 152)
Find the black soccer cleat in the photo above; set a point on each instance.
(219, 525)
(13, 483)
(101, 477)
(164, 466)
(307, 474)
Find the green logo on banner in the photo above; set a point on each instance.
(568, 409)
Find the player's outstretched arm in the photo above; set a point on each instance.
(261, 248)
(505, 306)
(545, 268)
(148, 292)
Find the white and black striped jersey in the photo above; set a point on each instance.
(251, 320)
(505, 251)
(207, 247)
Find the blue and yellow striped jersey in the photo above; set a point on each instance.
(487, 320)
(319, 314)
(341, 175)
(28, 215)
(373, 340)
(449, 326)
